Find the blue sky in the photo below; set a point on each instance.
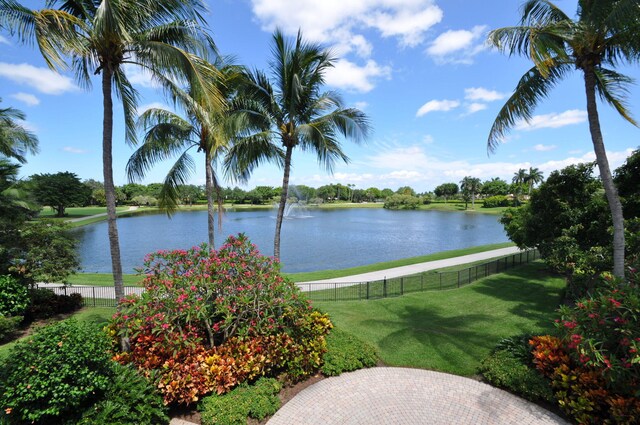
(419, 68)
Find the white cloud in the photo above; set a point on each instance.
(457, 46)
(437, 105)
(329, 21)
(350, 76)
(472, 108)
(482, 94)
(544, 148)
(42, 79)
(140, 77)
(26, 98)
(554, 120)
(616, 159)
(73, 150)
(3, 40)
(361, 105)
(428, 139)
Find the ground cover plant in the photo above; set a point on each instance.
(346, 353)
(453, 331)
(210, 320)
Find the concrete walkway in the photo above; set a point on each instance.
(400, 396)
(422, 267)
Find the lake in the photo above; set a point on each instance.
(311, 239)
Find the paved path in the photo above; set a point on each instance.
(75, 220)
(402, 396)
(421, 267)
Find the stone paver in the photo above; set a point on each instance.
(403, 396)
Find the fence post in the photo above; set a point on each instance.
(335, 291)
(402, 286)
(360, 291)
(368, 289)
(93, 290)
(384, 288)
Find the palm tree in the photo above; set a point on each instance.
(101, 37)
(518, 179)
(290, 112)
(534, 176)
(471, 185)
(605, 34)
(15, 140)
(206, 129)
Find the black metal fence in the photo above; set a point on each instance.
(426, 281)
(104, 296)
(94, 296)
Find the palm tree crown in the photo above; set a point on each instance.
(604, 35)
(290, 111)
(15, 140)
(162, 37)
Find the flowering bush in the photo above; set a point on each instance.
(209, 320)
(595, 366)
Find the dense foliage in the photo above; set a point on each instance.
(62, 368)
(210, 320)
(594, 365)
(59, 191)
(346, 353)
(14, 296)
(130, 399)
(44, 303)
(496, 201)
(568, 220)
(510, 366)
(255, 401)
(402, 202)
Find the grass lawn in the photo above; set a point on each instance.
(453, 331)
(103, 279)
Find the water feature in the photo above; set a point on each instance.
(327, 239)
(294, 210)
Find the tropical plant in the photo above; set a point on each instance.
(603, 36)
(206, 128)
(534, 176)
(518, 180)
(471, 186)
(15, 140)
(289, 111)
(160, 36)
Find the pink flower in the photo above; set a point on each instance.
(570, 325)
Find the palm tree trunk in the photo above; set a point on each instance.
(209, 188)
(283, 202)
(605, 174)
(109, 188)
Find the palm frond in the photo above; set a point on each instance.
(129, 96)
(613, 88)
(247, 153)
(177, 176)
(531, 88)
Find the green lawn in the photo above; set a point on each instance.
(453, 331)
(103, 279)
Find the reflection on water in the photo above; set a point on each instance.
(328, 239)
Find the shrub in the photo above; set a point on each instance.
(8, 326)
(496, 201)
(129, 400)
(14, 296)
(44, 303)
(255, 401)
(346, 353)
(62, 368)
(209, 320)
(402, 202)
(594, 366)
(506, 370)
